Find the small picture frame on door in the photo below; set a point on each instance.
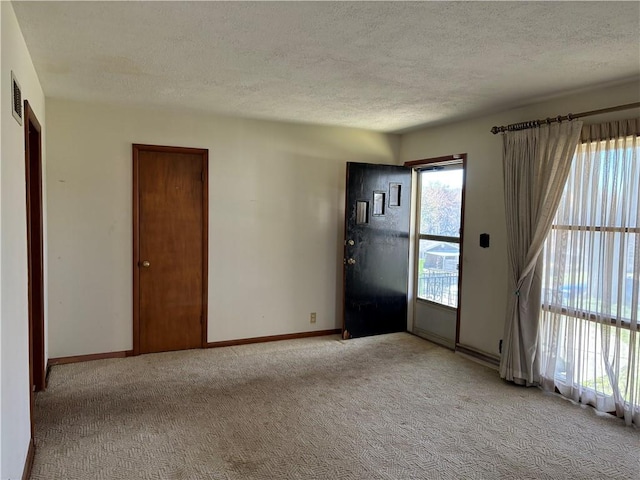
(379, 203)
(362, 213)
(395, 193)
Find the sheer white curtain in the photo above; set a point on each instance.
(589, 338)
(536, 163)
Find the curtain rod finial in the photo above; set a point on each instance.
(495, 130)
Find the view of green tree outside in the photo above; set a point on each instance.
(441, 203)
(440, 210)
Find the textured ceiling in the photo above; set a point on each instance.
(378, 65)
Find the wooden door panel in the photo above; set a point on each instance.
(376, 249)
(172, 238)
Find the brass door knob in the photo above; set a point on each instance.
(146, 264)
(351, 261)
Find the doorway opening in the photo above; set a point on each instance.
(35, 257)
(438, 253)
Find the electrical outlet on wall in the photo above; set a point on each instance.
(312, 318)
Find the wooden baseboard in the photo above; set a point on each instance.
(226, 343)
(273, 338)
(28, 463)
(88, 358)
(477, 354)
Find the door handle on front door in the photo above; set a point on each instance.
(351, 261)
(146, 264)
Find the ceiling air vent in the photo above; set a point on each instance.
(16, 95)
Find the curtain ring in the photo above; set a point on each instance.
(559, 118)
(548, 120)
(569, 116)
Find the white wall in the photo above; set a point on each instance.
(276, 194)
(485, 269)
(14, 373)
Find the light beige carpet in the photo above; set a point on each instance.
(387, 407)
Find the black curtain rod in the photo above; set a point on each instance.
(560, 118)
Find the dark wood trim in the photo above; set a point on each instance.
(168, 149)
(205, 247)
(136, 148)
(136, 251)
(274, 338)
(460, 265)
(449, 158)
(427, 161)
(28, 463)
(89, 358)
(225, 343)
(35, 255)
(472, 352)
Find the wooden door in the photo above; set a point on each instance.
(376, 249)
(170, 248)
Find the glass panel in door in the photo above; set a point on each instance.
(438, 262)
